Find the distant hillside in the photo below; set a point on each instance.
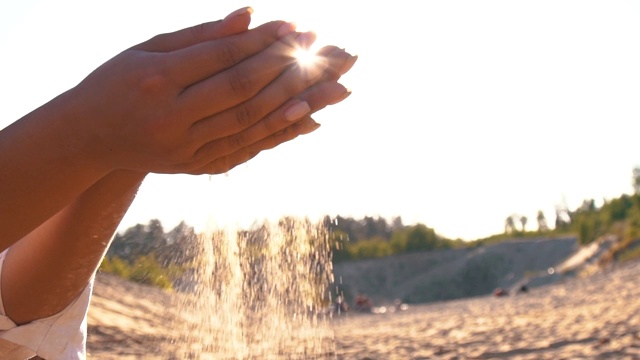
(451, 274)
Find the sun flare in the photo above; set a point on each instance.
(305, 57)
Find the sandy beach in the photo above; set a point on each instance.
(596, 317)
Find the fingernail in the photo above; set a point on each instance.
(286, 28)
(314, 127)
(240, 12)
(336, 50)
(297, 111)
(307, 126)
(306, 39)
(340, 92)
(345, 95)
(349, 64)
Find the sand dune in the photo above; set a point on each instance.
(128, 321)
(597, 317)
(457, 273)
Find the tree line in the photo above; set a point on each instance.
(589, 222)
(371, 237)
(376, 237)
(148, 254)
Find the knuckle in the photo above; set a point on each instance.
(244, 115)
(154, 79)
(152, 84)
(227, 53)
(240, 83)
(237, 141)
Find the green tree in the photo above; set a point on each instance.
(509, 226)
(616, 209)
(523, 221)
(632, 232)
(105, 266)
(399, 241)
(421, 238)
(146, 270)
(116, 266)
(372, 248)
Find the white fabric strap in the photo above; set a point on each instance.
(61, 336)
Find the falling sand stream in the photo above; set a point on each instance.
(259, 294)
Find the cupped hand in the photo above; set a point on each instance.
(287, 122)
(166, 105)
(140, 107)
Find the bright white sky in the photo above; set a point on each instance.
(462, 113)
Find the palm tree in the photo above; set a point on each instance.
(542, 222)
(509, 225)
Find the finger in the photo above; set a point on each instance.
(339, 62)
(327, 50)
(236, 22)
(303, 127)
(230, 90)
(226, 163)
(203, 60)
(324, 94)
(313, 99)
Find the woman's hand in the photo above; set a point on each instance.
(159, 111)
(287, 122)
(140, 107)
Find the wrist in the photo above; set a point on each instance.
(86, 138)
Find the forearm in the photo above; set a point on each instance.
(45, 164)
(50, 266)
